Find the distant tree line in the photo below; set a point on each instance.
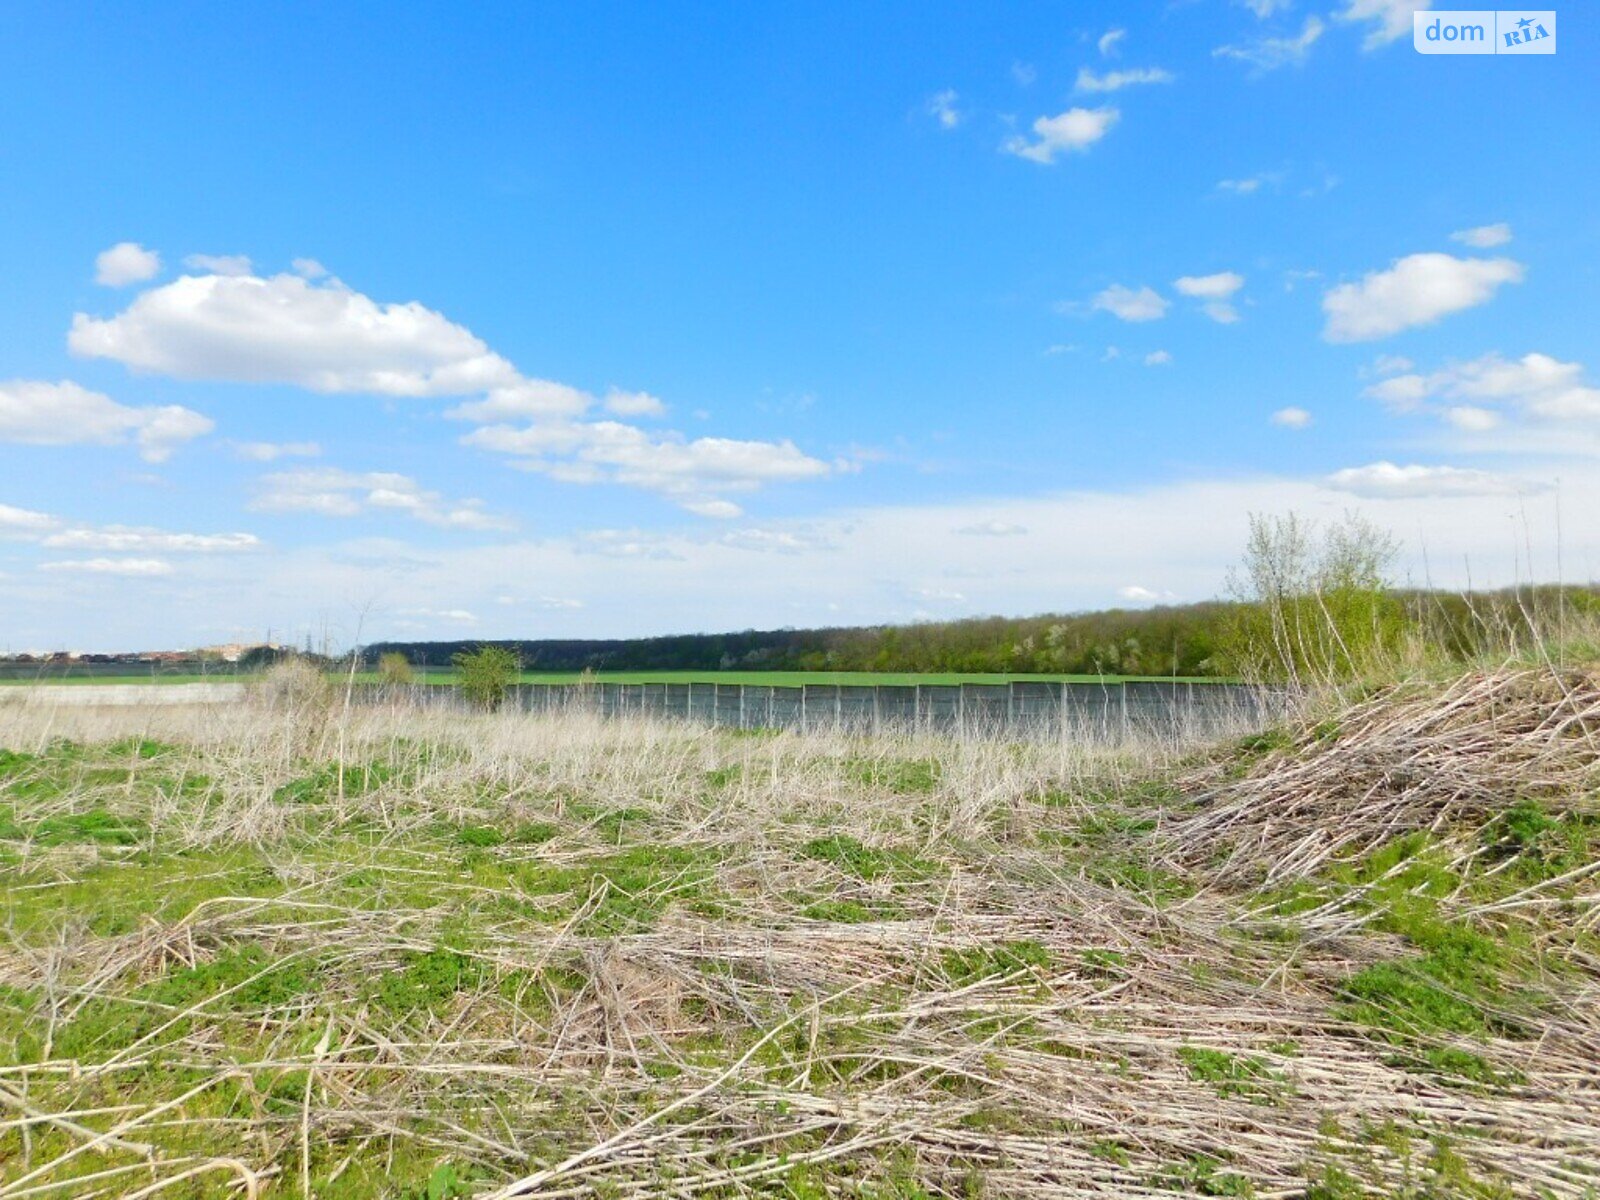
(1214, 638)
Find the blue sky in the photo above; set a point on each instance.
(611, 320)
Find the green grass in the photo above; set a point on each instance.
(460, 961)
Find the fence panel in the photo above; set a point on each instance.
(1082, 711)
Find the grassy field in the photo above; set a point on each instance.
(753, 678)
(277, 949)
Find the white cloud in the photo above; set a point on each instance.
(718, 510)
(1384, 480)
(942, 108)
(526, 398)
(1403, 393)
(1241, 187)
(1483, 237)
(993, 528)
(1391, 364)
(36, 413)
(333, 492)
(450, 616)
(125, 263)
(1074, 130)
(770, 541)
(1471, 419)
(1265, 8)
(1270, 53)
(286, 329)
(308, 268)
(1136, 594)
(220, 264)
(1220, 286)
(634, 404)
(693, 473)
(1110, 42)
(1157, 358)
(126, 567)
(24, 522)
(272, 451)
(125, 539)
(1540, 385)
(1292, 418)
(1416, 290)
(325, 337)
(1390, 19)
(1129, 304)
(1217, 292)
(1114, 81)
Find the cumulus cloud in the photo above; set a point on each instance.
(272, 451)
(942, 108)
(1539, 385)
(308, 268)
(1074, 130)
(311, 331)
(38, 413)
(126, 567)
(1157, 358)
(1216, 290)
(220, 264)
(1265, 8)
(634, 404)
(1388, 19)
(693, 473)
(1110, 42)
(1130, 304)
(287, 329)
(125, 263)
(1270, 53)
(24, 522)
(1386, 480)
(1483, 237)
(332, 492)
(127, 539)
(1292, 418)
(1419, 289)
(526, 398)
(1115, 81)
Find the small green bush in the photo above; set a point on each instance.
(485, 675)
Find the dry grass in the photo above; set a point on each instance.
(288, 949)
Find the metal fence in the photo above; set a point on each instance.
(1109, 711)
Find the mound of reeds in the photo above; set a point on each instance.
(1409, 758)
